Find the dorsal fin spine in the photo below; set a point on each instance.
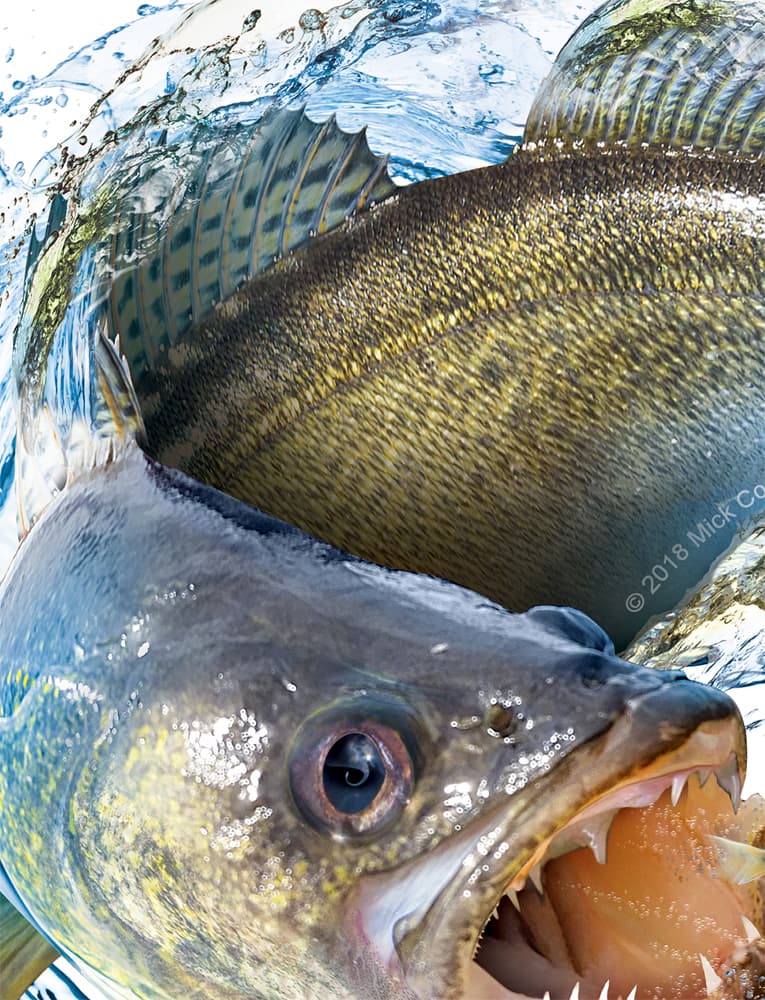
(337, 172)
(257, 215)
(380, 173)
(298, 180)
(196, 278)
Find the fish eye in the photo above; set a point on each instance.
(351, 778)
(354, 773)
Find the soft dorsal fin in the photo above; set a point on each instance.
(240, 199)
(649, 71)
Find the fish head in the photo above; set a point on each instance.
(266, 768)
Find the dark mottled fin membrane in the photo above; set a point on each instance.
(688, 73)
(238, 202)
(24, 953)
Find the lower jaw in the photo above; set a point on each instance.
(641, 921)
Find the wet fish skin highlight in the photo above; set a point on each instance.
(500, 377)
(168, 712)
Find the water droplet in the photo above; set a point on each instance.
(251, 20)
(312, 19)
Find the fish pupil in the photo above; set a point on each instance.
(354, 773)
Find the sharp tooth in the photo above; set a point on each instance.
(597, 835)
(600, 846)
(678, 784)
(604, 991)
(547, 995)
(535, 875)
(728, 779)
(632, 993)
(750, 931)
(575, 993)
(703, 775)
(712, 980)
(512, 895)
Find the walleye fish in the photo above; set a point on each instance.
(250, 764)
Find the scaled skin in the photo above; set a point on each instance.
(535, 379)
(170, 643)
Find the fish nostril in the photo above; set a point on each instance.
(593, 672)
(500, 720)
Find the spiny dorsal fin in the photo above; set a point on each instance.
(648, 71)
(240, 199)
(24, 953)
(173, 229)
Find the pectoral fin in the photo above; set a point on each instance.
(649, 71)
(24, 953)
(739, 862)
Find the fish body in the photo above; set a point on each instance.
(500, 377)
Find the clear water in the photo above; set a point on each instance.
(441, 86)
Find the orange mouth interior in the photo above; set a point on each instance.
(644, 917)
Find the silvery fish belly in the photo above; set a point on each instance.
(238, 761)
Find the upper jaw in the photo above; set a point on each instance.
(424, 920)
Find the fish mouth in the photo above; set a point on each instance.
(602, 883)
(624, 901)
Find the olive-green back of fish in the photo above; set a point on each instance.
(535, 378)
(541, 380)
